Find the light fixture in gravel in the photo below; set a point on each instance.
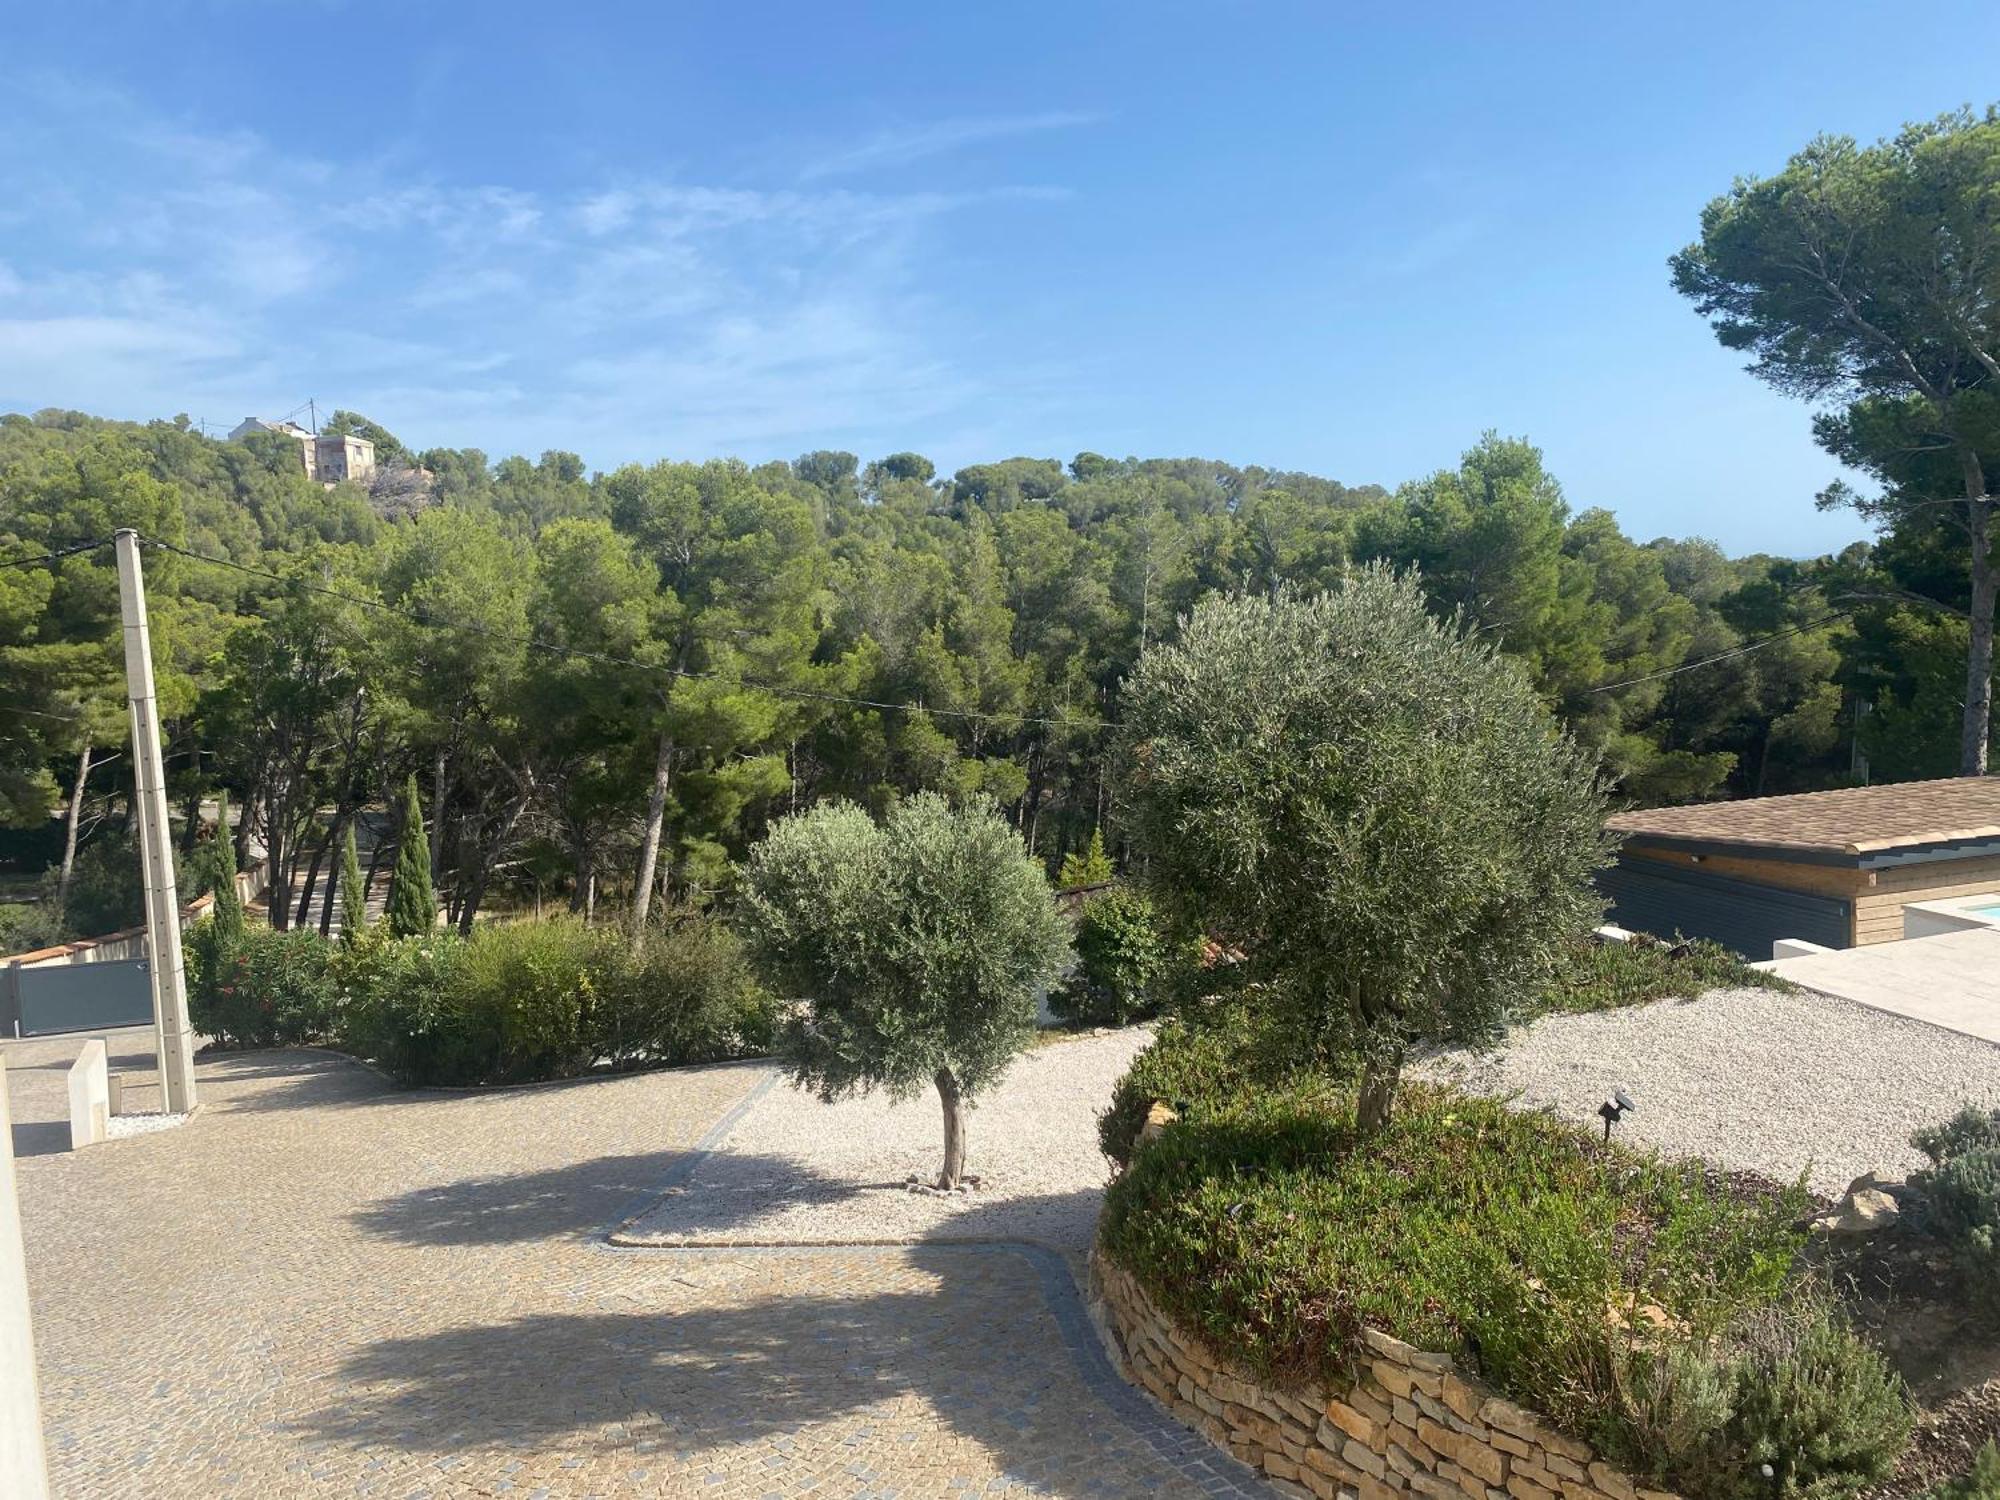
(1614, 1109)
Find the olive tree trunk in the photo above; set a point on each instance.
(953, 1099)
(1377, 1094)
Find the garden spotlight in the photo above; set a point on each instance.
(1614, 1109)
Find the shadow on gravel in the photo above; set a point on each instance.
(585, 1197)
(982, 1348)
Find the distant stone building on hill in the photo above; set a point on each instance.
(328, 458)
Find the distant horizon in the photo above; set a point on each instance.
(1274, 236)
(219, 431)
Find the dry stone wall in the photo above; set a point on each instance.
(1410, 1425)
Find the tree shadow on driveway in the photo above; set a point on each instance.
(578, 1198)
(806, 1359)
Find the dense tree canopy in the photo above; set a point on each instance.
(609, 685)
(1869, 278)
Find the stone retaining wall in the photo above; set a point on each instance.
(1411, 1425)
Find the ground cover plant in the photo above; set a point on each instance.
(1592, 975)
(1649, 1307)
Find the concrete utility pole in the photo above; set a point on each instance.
(24, 1461)
(173, 1037)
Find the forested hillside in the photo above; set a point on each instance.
(611, 682)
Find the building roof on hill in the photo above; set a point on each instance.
(1850, 822)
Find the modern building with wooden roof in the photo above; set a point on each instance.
(1834, 868)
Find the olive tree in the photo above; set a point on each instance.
(1372, 807)
(918, 945)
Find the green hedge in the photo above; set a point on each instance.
(517, 1002)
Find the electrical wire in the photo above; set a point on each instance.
(606, 659)
(1729, 655)
(57, 556)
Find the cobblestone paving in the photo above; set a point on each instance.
(320, 1286)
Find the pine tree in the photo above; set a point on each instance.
(412, 905)
(353, 894)
(228, 913)
(1092, 867)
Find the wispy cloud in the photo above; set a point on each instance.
(900, 145)
(215, 274)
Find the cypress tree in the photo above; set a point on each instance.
(353, 895)
(228, 913)
(412, 904)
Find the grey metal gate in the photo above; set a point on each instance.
(49, 999)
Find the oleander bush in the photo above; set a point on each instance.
(514, 1003)
(1649, 1307)
(260, 987)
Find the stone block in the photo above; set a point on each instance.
(1364, 1458)
(1459, 1398)
(1526, 1489)
(89, 1097)
(1613, 1483)
(1392, 1377)
(1354, 1423)
(1462, 1449)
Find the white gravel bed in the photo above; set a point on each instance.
(796, 1171)
(1754, 1079)
(120, 1126)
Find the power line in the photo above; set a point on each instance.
(572, 653)
(57, 556)
(1743, 650)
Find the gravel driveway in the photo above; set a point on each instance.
(796, 1171)
(1777, 1083)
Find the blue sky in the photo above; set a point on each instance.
(1329, 237)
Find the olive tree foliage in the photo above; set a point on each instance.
(918, 945)
(1372, 807)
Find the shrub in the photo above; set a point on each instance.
(28, 925)
(521, 1002)
(1204, 1059)
(1958, 1194)
(264, 989)
(1276, 1231)
(1594, 975)
(106, 886)
(397, 1007)
(1980, 1482)
(1790, 1386)
(688, 996)
(1121, 954)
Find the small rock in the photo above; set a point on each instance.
(1864, 1210)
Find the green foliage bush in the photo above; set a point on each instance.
(1204, 1059)
(1790, 1386)
(1980, 1482)
(1121, 956)
(261, 989)
(1594, 975)
(517, 1002)
(1958, 1194)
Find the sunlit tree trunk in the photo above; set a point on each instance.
(953, 1099)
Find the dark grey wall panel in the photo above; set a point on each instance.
(1666, 900)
